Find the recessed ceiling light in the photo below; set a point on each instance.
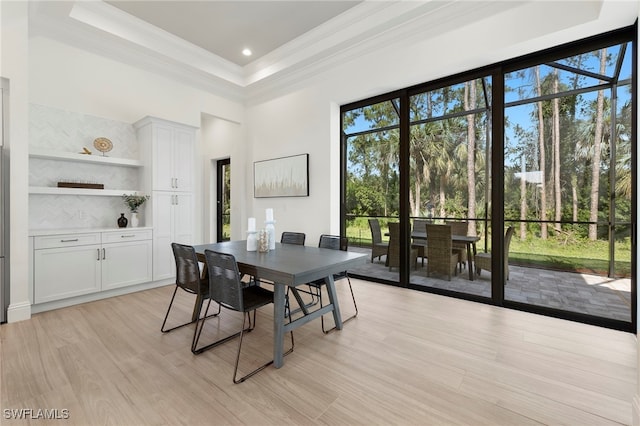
(246, 52)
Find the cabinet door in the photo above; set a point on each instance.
(163, 175)
(126, 264)
(183, 219)
(65, 272)
(183, 151)
(163, 263)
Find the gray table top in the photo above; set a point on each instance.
(287, 264)
(457, 238)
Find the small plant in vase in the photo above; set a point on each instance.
(134, 202)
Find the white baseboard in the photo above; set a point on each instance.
(19, 311)
(57, 304)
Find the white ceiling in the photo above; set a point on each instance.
(225, 28)
(199, 42)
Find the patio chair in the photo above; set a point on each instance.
(483, 260)
(459, 228)
(393, 258)
(226, 288)
(379, 248)
(189, 279)
(440, 255)
(419, 225)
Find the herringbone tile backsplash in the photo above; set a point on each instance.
(57, 130)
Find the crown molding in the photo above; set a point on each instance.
(102, 29)
(114, 21)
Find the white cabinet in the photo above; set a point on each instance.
(66, 265)
(126, 258)
(169, 149)
(69, 265)
(168, 154)
(172, 223)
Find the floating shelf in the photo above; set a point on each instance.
(50, 190)
(83, 158)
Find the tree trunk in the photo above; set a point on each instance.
(574, 196)
(523, 201)
(470, 103)
(556, 154)
(543, 186)
(595, 166)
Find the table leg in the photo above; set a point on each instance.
(470, 257)
(333, 298)
(278, 323)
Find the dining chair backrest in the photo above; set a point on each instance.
(376, 234)
(420, 225)
(507, 242)
(439, 236)
(293, 238)
(394, 244)
(187, 267)
(334, 242)
(225, 286)
(458, 227)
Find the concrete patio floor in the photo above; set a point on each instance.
(589, 294)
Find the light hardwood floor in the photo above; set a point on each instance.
(409, 358)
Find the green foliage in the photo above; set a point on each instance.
(134, 201)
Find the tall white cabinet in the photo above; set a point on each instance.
(168, 151)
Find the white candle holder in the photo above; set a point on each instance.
(252, 241)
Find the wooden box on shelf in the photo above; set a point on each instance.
(80, 185)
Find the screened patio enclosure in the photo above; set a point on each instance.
(544, 144)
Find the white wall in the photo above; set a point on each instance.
(14, 66)
(75, 80)
(303, 118)
(222, 139)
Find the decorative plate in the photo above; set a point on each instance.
(103, 145)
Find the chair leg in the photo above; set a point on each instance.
(198, 331)
(186, 323)
(263, 366)
(345, 320)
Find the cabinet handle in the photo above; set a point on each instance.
(69, 241)
(98, 254)
(104, 254)
(176, 182)
(127, 236)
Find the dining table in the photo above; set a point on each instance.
(469, 240)
(290, 266)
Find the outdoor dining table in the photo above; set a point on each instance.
(290, 266)
(469, 240)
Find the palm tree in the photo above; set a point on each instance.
(595, 165)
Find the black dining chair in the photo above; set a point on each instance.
(334, 242)
(297, 238)
(226, 288)
(189, 278)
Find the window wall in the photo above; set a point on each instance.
(560, 140)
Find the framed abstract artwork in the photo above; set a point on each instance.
(281, 177)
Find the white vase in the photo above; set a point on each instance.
(134, 220)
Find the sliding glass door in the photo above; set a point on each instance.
(449, 148)
(568, 190)
(528, 170)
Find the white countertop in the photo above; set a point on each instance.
(41, 232)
